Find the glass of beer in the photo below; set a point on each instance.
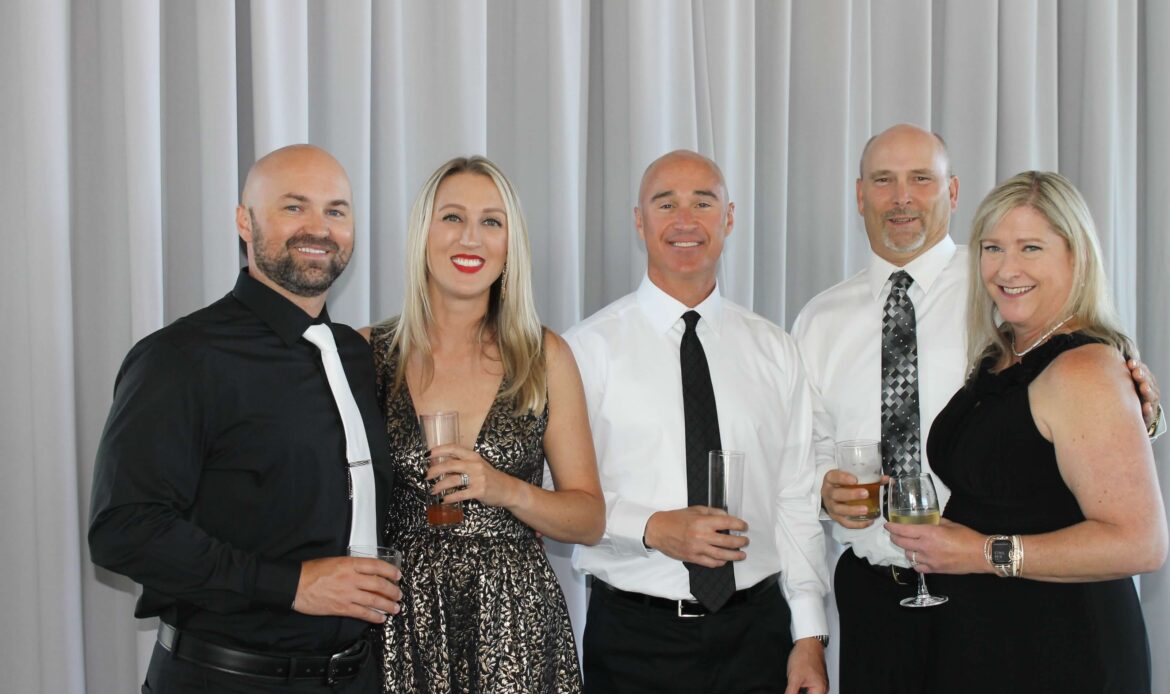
(439, 429)
(913, 500)
(863, 460)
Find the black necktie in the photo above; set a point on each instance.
(712, 587)
(901, 437)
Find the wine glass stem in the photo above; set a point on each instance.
(922, 591)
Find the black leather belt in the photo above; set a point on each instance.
(901, 575)
(689, 608)
(327, 668)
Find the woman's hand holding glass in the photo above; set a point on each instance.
(463, 475)
(914, 502)
(946, 548)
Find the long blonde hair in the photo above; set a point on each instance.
(510, 320)
(1056, 199)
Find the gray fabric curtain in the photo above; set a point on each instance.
(126, 126)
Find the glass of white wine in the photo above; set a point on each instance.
(913, 500)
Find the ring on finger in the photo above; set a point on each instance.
(914, 558)
(465, 479)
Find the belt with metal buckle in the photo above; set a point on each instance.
(688, 608)
(328, 668)
(901, 575)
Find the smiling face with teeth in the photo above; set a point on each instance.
(296, 218)
(1027, 269)
(683, 216)
(467, 242)
(905, 193)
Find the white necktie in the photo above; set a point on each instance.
(364, 527)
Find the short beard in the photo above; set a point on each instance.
(915, 244)
(283, 269)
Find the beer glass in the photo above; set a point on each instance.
(438, 429)
(913, 500)
(863, 460)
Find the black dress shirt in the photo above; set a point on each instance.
(222, 467)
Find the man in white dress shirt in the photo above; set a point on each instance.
(645, 630)
(906, 194)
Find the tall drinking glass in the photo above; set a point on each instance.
(439, 429)
(863, 460)
(725, 482)
(913, 500)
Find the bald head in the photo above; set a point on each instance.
(905, 192)
(679, 156)
(272, 166)
(296, 219)
(905, 131)
(683, 216)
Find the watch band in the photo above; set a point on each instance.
(1013, 567)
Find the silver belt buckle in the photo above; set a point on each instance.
(687, 615)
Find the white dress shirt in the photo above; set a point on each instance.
(840, 336)
(628, 354)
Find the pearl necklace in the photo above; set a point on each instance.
(1037, 343)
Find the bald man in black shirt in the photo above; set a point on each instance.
(222, 483)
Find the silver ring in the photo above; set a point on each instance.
(465, 479)
(914, 558)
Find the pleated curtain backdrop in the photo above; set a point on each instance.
(127, 126)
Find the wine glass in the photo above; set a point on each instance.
(912, 500)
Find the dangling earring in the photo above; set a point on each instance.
(503, 283)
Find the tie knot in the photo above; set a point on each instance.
(320, 335)
(691, 318)
(902, 281)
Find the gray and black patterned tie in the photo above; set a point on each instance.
(901, 436)
(712, 587)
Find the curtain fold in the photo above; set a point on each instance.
(41, 596)
(129, 126)
(1153, 253)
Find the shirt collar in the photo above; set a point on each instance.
(664, 311)
(285, 318)
(925, 269)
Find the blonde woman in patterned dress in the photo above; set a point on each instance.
(482, 610)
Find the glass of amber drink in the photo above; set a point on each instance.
(439, 429)
(863, 460)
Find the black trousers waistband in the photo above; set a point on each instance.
(901, 575)
(689, 608)
(326, 668)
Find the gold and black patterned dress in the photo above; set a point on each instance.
(481, 609)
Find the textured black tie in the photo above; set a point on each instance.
(712, 587)
(901, 437)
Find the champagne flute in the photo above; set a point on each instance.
(913, 500)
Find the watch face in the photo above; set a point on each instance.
(1001, 552)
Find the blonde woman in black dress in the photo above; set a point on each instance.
(482, 610)
(1054, 496)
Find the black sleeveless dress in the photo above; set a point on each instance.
(482, 610)
(1014, 634)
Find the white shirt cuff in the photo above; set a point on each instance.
(808, 616)
(626, 526)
